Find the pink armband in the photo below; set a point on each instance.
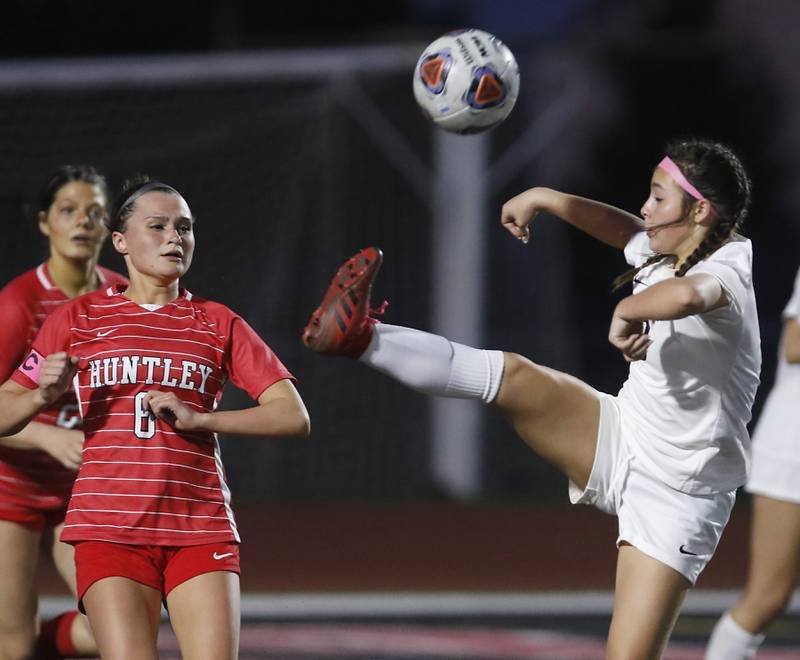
(32, 365)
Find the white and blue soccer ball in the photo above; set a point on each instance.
(466, 81)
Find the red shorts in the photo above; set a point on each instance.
(161, 567)
(36, 520)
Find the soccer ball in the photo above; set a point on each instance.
(466, 81)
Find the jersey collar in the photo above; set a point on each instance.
(119, 289)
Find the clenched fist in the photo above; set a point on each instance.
(55, 376)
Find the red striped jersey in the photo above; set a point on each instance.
(141, 481)
(34, 478)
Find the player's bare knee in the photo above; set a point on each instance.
(516, 370)
(523, 386)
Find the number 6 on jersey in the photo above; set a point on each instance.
(144, 426)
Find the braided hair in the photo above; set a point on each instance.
(716, 171)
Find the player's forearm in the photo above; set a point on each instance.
(790, 341)
(278, 418)
(606, 223)
(28, 438)
(670, 300)
(17, 409)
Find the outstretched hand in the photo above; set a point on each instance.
(55, 376)
(168, 407)
(629, 337)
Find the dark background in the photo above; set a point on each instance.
(286, 181)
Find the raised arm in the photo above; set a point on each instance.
(664, 301)
(606, 223)
(674, 299)
(280, 412)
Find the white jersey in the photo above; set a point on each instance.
(689, 402)
(776, 441)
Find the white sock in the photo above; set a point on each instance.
(729, 641)
(434, 365)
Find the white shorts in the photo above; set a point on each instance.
(774, 474)
(678, 529)
(775, 467)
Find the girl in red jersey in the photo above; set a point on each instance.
(38, 464)
(150, 513)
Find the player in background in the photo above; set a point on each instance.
(38, 465)
(668, 452)
(150, 513)
(775, 530)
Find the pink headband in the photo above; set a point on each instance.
(669, 166)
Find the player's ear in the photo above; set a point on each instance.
(41, 218)
(703, 213)
(119, 242)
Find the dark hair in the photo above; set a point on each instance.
(132, 189)
(67, 174)
(718, 174)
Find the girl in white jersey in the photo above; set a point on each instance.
(150, 513)
(775, 530)
(668, 452)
